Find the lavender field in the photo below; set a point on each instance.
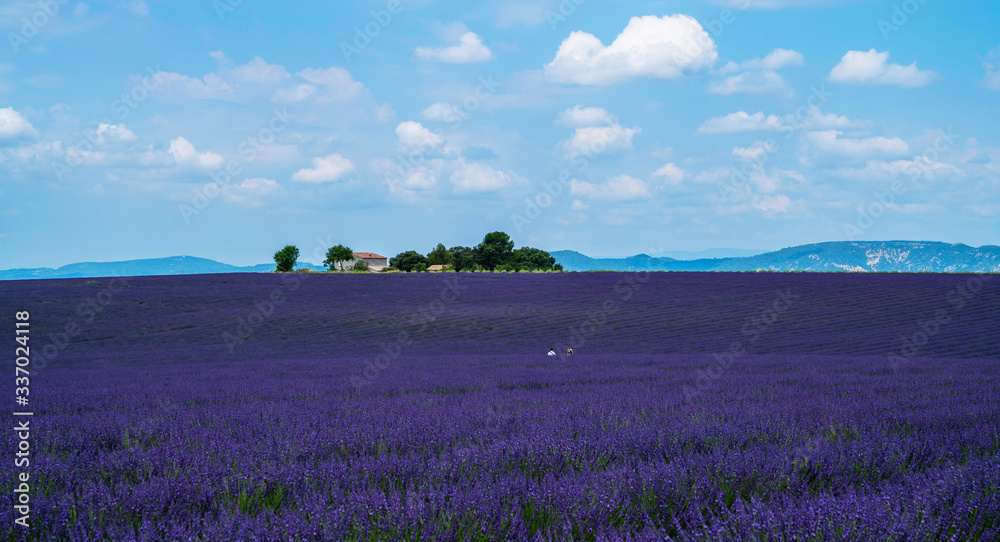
(697, 406)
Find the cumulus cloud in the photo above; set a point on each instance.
(756, 151)
(918, 167)
(741, 121)
(765, 82)
(775, 60)
(325, 169)
(771, 205)
(650, 46)
(596, 140)
(469, 48)
(759, 76)
(13, 125)
(478, 177)
(114, 132)
(324, 85)
(577, 116)
(829, 141)
(597, 132)
(441, 111)
(186, 155)
(258, 78)
(873, 68)
(620, 188)
(670, 173)
(413, 137)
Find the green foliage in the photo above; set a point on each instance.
(512, 266)
(336, 255)
(439, 256)
(286, 258)
(495, 250)
(406, 261)
(462, 258)
(360, 267)
(533, 259)
(420, 268)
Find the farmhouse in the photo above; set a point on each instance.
(375, 262)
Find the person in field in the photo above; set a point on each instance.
(552, 352)
(569, 351)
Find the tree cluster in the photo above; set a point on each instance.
(495, 253)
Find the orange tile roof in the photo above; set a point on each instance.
(368, 255)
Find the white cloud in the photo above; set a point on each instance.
(413, 137)
(596, 140)
(872, 67)
(334, 84)
(441, 111)
(756, 151)
(759, 75)
(829, 141)
(917, 167)
(620, 188)
(186, 155)
(479, 177)
(649, 46)
(763, 82)
(249, 191)
(114, 132)
(229, 82)
(741, 121)
(13, 125)
(772, 205)
(470, 48)
(325, 169)
(256, 79)
(775, 60)
(577, 116)
(670, 173)
(992, 67)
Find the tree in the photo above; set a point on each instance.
(336, 255)
(360, 266)
(462, 258)
(406, 261)
(495, 250)
(439, 256)
(286, 258)
(534, 259)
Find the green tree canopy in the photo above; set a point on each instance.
(406, 261)
(286, 258)
(534, 259)
(462, 258)
(495, 250)
(439, 256)
(336, 255)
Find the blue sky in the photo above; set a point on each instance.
(612, 128)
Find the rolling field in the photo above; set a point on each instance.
(697, 406)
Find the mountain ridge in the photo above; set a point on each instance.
(834, 256)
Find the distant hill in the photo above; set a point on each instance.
(176, 265)
(708, 254)
(903, 256)
(860, 256)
